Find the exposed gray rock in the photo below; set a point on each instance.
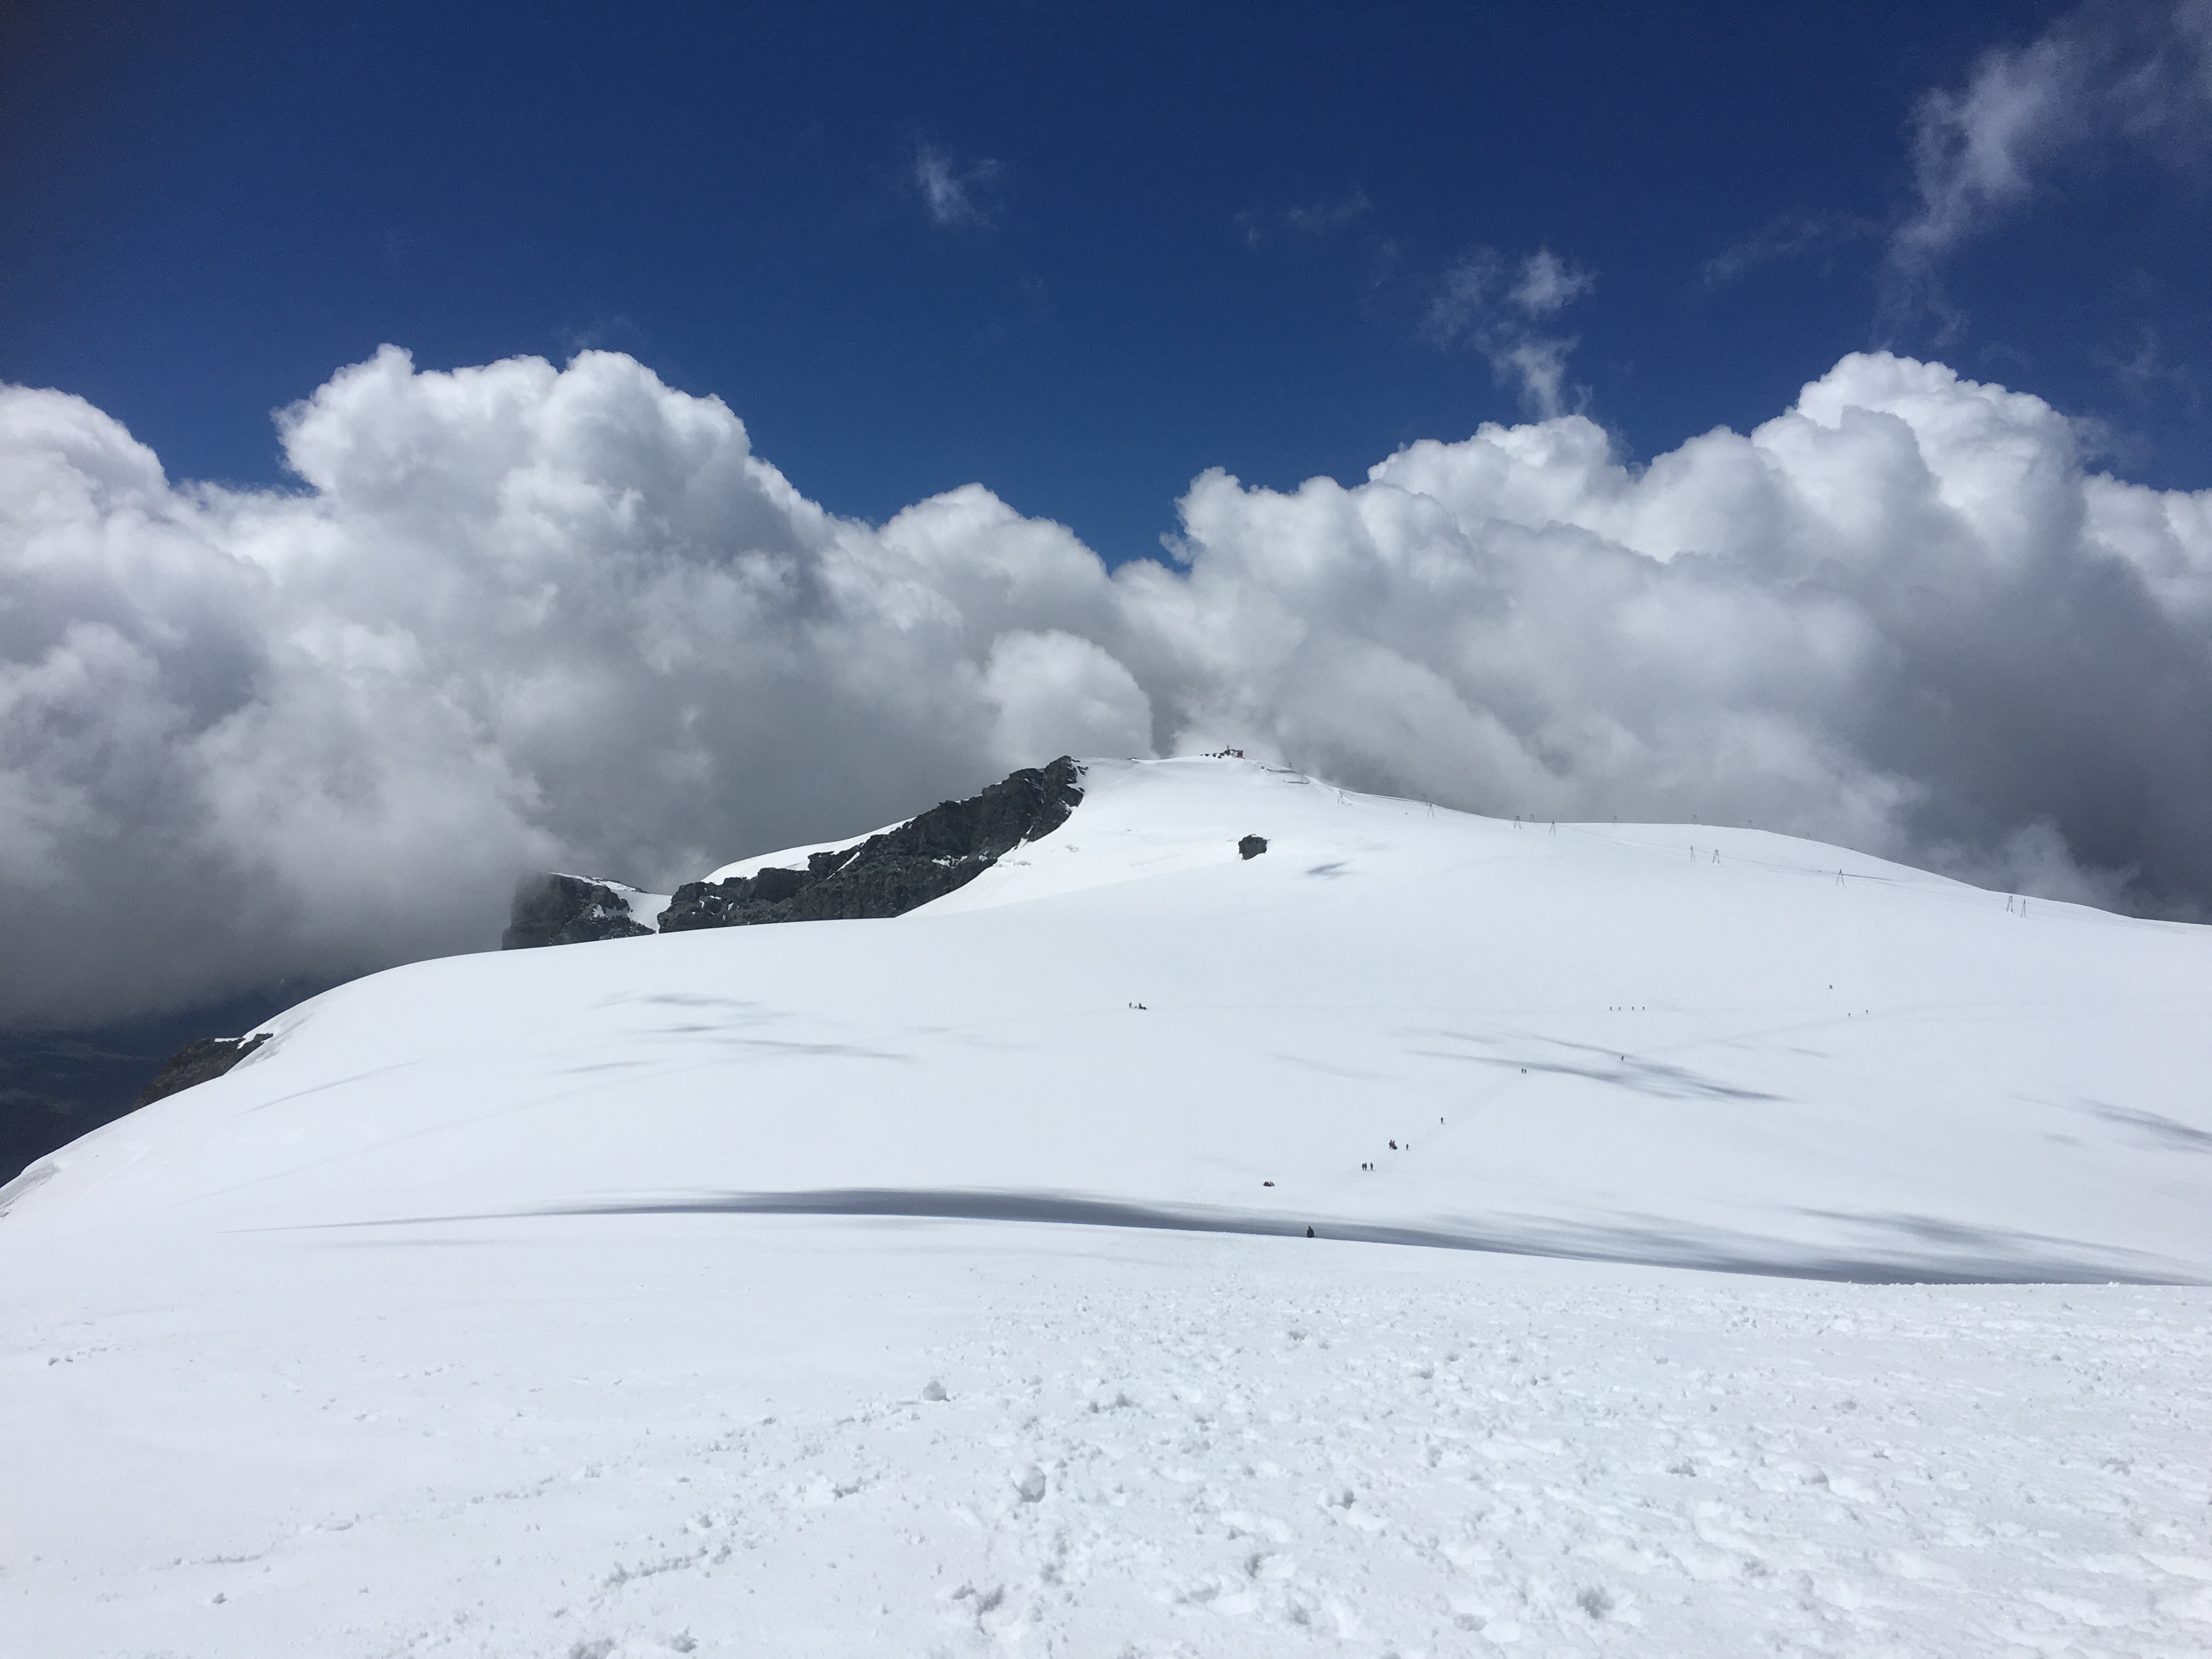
(888, 875)
(197, 1062)
(742, 900)
(1252, 846)
(554, 909)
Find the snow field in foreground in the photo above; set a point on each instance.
(627, 1436)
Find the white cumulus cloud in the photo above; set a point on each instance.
(521, 616)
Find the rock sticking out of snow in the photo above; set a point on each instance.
(197, 1062)
(898, 871)
(555, 910)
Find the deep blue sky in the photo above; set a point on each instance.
(1212, 236)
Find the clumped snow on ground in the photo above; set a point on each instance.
(742, 1293)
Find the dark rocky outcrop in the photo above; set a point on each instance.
(1252, 846)
(888, 875)
(567, 910)
(742, 900)
(197, 1062)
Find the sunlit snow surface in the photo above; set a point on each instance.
(600, 1300)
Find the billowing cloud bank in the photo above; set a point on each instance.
(519, 617)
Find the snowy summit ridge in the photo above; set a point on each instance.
(1703, 1046)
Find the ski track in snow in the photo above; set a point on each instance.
(1147, 1445)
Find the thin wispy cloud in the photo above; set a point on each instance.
(2107, 77)
(1548, 283)
(954, 191)
(1502, 310)
(1786, 237)
(1321, 217)
(2146, 368)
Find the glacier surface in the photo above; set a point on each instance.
(1722, 1243)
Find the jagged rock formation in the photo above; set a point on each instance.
(197, 1062)
(890, 874)
(567, 910)
(742, 900)
(1252, 846)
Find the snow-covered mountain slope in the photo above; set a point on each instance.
(1694, 1046)
(877, 1286)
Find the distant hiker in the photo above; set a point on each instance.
(1394, 1146)
(1309, 1232)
